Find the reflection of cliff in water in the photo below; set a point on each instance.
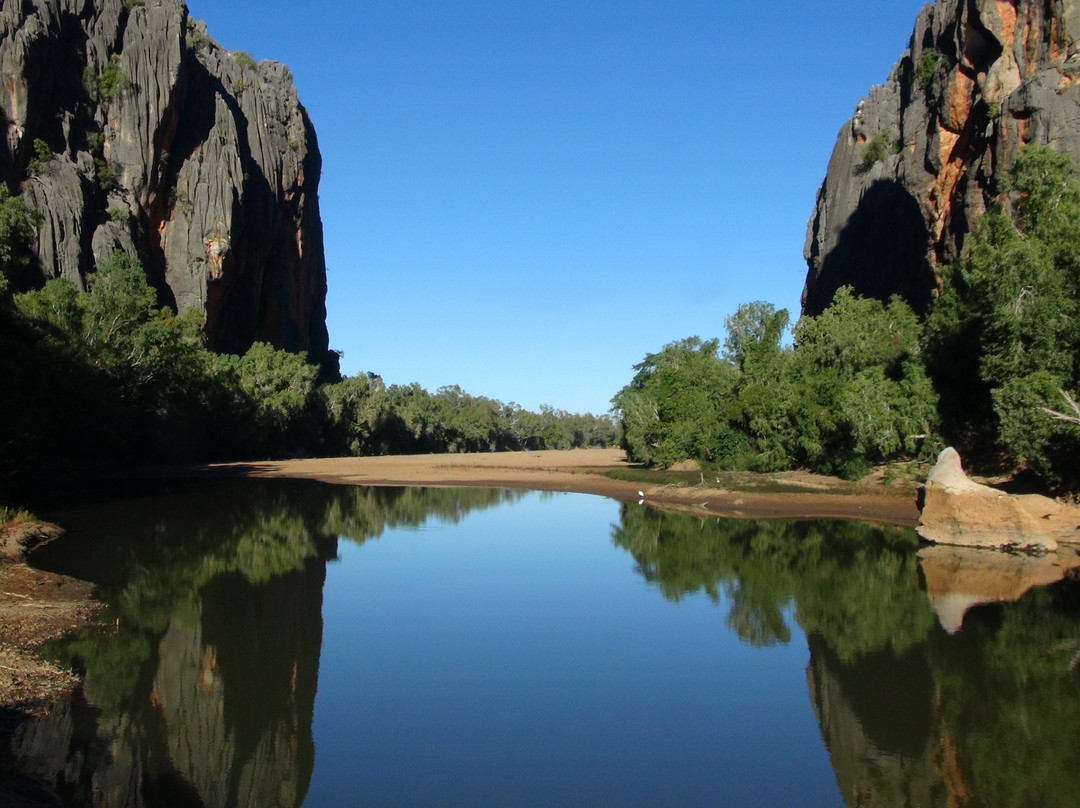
(201, 689)
(910, 713)
(876, 720)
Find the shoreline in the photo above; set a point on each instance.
(29, 683)
(585, 471)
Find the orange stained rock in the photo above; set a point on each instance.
(947, 766)
(216, 250)
(1007, 13)
(960, 98)
(1032, 29)
(1055, 41)
(1023, 128)
(941, 193)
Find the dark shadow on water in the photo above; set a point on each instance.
(200, 687)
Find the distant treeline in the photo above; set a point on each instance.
(109, 375)
(993, 369)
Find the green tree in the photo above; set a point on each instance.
(864, 394)
(1004, 336)
(276, 409)
(754, 332)
(674, 407)
(357, 408)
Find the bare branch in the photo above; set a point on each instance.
(1060, 416)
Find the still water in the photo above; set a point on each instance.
(282, 643)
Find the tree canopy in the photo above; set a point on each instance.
(850, 391)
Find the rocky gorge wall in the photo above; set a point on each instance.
(922, 156)
(129, 128)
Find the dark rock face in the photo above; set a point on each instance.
(129, 128)
(920, 159)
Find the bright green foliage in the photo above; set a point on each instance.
(673, 409)
(280, 382)
(104, 174)
(120, 299)
(877, 149)
(39, 163)
(113, 81)
(1004, 336)
(357, 406)
(109, 374)
(753, 337)
(929, 63)
(58, 305)
(761, 437)
(106, 371)
(851, 392)
(407, 419)
(274, 399)
(148, 351)
(865, 395)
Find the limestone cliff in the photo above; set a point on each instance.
(128, 127)
(920, 158)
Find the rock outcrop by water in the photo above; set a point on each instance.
(129, 128)
(957, 510)
(922, 155)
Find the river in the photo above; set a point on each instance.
(289, 643)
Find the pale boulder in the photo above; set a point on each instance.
(957, 510)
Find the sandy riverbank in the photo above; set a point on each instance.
(785, 495)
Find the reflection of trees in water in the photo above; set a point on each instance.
(201, 688)
(1010, 701)
(911, 715)
(853, 583)
(986, 717)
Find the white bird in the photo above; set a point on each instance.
(641, 493)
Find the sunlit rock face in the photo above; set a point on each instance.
(957, 510)
(923, 153)
(129, 128)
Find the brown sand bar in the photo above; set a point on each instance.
(585, 471)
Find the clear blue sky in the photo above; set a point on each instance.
(524, 197)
